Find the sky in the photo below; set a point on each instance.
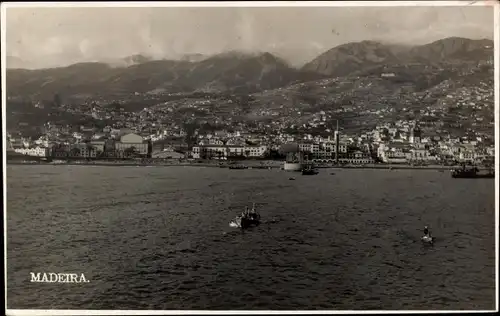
(49, 37)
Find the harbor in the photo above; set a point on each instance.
(178, 219)
(242, 165)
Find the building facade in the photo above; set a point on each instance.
(34, 151)
(133, 144)
(228, 151)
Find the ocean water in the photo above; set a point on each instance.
(158, 238)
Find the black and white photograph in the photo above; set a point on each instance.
(250, 157)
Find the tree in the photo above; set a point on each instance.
(150, 148)
(130, 152)
(57, 100)
(203, 153)
(90, 148)
(210, 154)
(275, 154)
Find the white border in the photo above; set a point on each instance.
(5, 5)
(4, 143)
(496, 44)
(136, 4)
(56, 312)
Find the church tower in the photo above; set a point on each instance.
(415, 134)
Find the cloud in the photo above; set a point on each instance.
(56, 36)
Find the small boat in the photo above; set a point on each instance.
(261, 167)
(244, 222)
(252, 219)
(238, 167)
(309, 171)
(471, 173)
(291, 178)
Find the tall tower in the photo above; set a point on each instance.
(415, 134)
(337, 143)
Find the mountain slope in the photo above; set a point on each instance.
(353, 57)
(77, 78)
(453, 49)
(345, 59)
(237, 72)
(243, 72)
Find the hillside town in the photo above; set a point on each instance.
(402, 142)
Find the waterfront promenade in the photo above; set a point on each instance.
(257, 164)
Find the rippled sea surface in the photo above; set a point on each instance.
(158, 238)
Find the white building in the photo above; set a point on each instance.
(34, 151)
(83, 151)
(132, 140)
(387, 75)
(393, 153)
(225, 151)
(467, 156)
(98, 145)
(255, 151)
(209, 152)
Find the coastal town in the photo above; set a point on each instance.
(401, 141)
(376, 118)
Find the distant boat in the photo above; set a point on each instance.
(246, 220)
(238, 167)
(262, 167)
(471, 173)
(427, 239)
(309, 170)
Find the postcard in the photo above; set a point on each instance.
(250, 157)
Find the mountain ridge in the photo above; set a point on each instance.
(235, 71)
(350, 57)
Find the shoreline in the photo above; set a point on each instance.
(248, 165)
